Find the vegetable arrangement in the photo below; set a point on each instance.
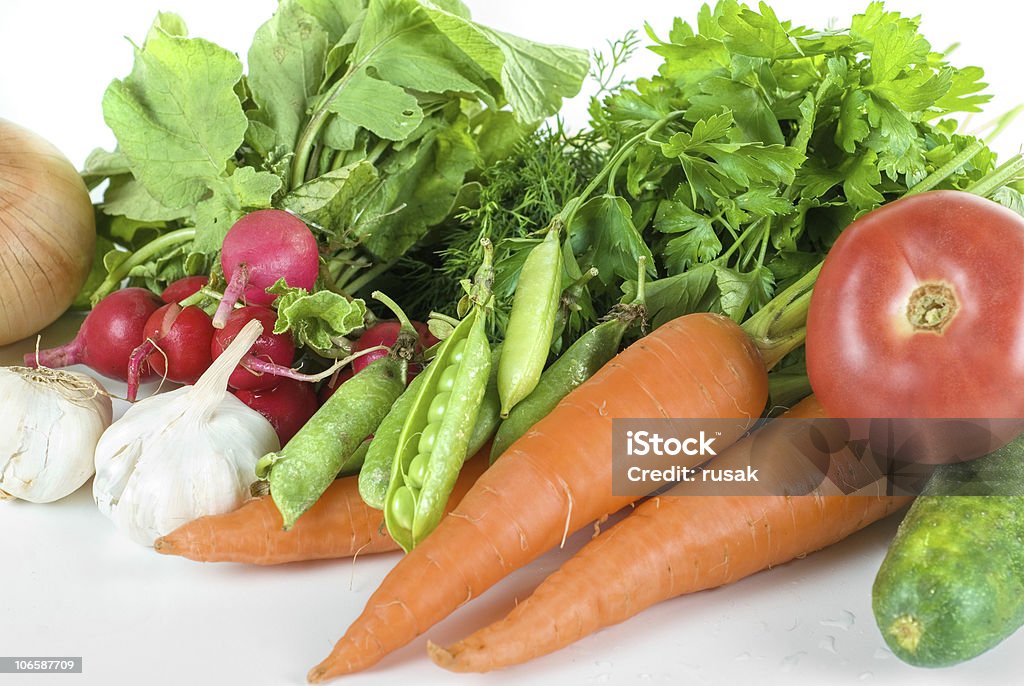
(771, 184)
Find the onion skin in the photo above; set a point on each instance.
(47, 233)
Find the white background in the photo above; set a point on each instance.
(58, 56)
(70, 585)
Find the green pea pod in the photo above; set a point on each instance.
(435, 439)
(590, 352)
(354, 462)
(376, 470)
(302, 470)
(488, 418)
(531, 322)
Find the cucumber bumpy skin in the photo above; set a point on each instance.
(952, 583)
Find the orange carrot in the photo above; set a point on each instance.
(556, 479)
(340, 524)
(670, 546)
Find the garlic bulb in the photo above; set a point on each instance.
(178, 456)
(49, 426)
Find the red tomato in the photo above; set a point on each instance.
(919, 312)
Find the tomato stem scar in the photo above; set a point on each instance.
(931, 307)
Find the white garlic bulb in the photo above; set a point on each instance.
(50, 423)
(178, 456)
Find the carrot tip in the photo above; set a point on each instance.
(163, 546)
(325, 671)
(442, 657)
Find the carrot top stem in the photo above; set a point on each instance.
(780, 327)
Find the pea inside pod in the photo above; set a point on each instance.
(436, 435)
(375, 473)
(442, 420)
(531, 322)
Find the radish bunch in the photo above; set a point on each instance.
(130, 335)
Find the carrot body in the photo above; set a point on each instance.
(340, 524)
(670, 546)
(555, 479)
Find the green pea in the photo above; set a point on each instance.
(438, 406)
(418, 470)
(447, 380)
(428, 437)
(403, 506)
(458, 350)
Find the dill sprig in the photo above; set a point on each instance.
(518, 197)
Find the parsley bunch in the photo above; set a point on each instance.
(786, 135)
(737, 165)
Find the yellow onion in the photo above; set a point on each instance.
(47, 233)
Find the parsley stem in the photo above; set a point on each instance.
(943, 172)
(573, 206)
(724, 257)
(764, 246)
(998, 178)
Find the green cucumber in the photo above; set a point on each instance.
(952, 583)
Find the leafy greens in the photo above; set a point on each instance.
(363, 117)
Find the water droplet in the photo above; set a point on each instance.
(845, 620)
(882, 654)
(645, 677)
(828, 644)
(743, 657)
(864, 676)
(790, 662)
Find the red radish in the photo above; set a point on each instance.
(287, 406)
(262, 247)
(386, 333)
(333, 384)
(177, 346)
(268, 357)
(183, 288)
(107, 337)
